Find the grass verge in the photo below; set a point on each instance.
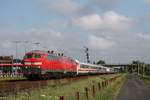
(112, 90)
(146, 80)
(12, 78)
(69, 90)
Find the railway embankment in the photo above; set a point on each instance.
(103, 87)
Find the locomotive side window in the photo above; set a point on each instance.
(50, 57)
(37, 55)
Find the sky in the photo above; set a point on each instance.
(116, 31)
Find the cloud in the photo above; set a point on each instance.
(61, 6)
(110, 21)
(105, 3)
(45, 33)
(147, 16)
(100, 42)
(47, 37)
(144, 36)
(6, 44)
(88, 22)
(147, 1)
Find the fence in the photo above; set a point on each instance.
(11, 75)
(86, 94)
(90, 92)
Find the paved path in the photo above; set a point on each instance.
(134, 89)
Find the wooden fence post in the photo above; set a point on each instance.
(103, 84)
(99, 86)
(61, 97)
(77, 96)
(107, 82)
(86, 92)
(93, 90)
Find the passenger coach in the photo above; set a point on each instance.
(88, 69)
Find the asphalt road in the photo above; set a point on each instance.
(133, 89)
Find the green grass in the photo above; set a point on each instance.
(69, 90)
(111, 91)
(12, 78)
(146, 80)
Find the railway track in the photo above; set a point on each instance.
(16, 86)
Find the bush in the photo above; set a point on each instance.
(147, 69)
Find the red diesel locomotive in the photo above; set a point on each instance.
(46, 65)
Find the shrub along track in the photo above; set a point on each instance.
(15, 86)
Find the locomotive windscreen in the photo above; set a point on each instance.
(28, 56)
(33, 55)
(36, 55)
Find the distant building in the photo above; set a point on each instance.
(6, 59)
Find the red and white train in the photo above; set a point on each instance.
(48, 64)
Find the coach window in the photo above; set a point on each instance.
(37, 56)
(84, 66)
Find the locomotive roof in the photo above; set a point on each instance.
(36, 51)
(44, 52)
(55, 54)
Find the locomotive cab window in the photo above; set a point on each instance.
(28, 56)
(37, 55)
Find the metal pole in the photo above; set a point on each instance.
(138, 69)
(37, 44)
(16, 51)
(87, 54)
(12, 64)
(25, 49)
(16, 42)
(143, 70)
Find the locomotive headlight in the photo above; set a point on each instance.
(37, 63)
(38, 67)
(27, 63)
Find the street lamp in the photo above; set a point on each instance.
(25, 42)
(16, 43)
(37, 44)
